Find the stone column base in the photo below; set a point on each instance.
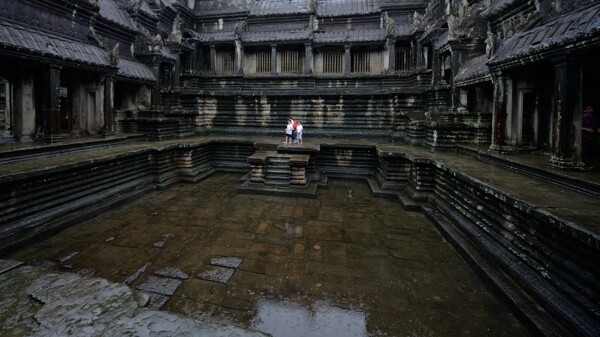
(564, 163)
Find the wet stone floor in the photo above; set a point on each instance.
(344, 264)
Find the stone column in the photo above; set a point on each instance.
(436, 67)
(213, 60)
(567, 106)
(391, 50)
(347, 60)
(109, 107)
(156, 90)
(500, 113)
(52, 104)
(456, 57)
(273, 59)
(308, 58)
(416, 54)
(194, 59)
(239, 57)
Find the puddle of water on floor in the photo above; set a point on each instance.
(289, 319)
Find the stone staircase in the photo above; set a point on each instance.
(278, 171)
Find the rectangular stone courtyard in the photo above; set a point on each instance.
(344, 264)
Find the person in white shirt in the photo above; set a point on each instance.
(299, 129)
(288, 132)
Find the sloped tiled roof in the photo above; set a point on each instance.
(266, 36)
(401, 3)
(219, 7)
(279, 7)
(346, 7)
(568, 29)
(13, 36)
(473, 71)
(110, 11)
(135, 70)
(166, 52)
(350, 36)
(145, 8)
(498, 6)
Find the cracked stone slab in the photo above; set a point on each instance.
(6, 265)
(172, 273)
(137, 273)
(40, 303)
(226, 261)
(217, 274)
(160, 285)
(156, 301)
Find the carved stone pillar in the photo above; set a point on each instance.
(213, 60)
(308, 58)
(347, 60)
(567, 88)
(500, 113)
(416, 53)
(273, 59)
(239, 57)
(456, 57)
(109, 107)
(391, 50)
(52, 104)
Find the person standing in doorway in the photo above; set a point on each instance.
(589, 135)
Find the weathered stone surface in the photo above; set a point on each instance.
(42, 303)
(227, 261)
(217, 274)
(160, 285)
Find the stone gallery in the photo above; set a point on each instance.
(447, 183)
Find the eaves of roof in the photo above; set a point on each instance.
(30, 40)
(571, 29)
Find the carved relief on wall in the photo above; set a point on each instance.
(466, 23)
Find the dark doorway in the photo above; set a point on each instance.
(528, 120)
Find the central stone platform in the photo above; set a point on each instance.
(284, 170)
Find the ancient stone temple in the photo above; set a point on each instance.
(436, 132)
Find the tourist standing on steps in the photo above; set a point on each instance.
(589, 135)
(288, 132)
(299, 129)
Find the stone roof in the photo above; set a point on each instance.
(368, 35)
(214, 7)
(135, 70)
(279, 7)
(346, 7)
(266, 36)
(167, 53)
(569, 29)
(16, 37)
(472, 71)
(145, 8)
(111, 11)
(498, 6)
